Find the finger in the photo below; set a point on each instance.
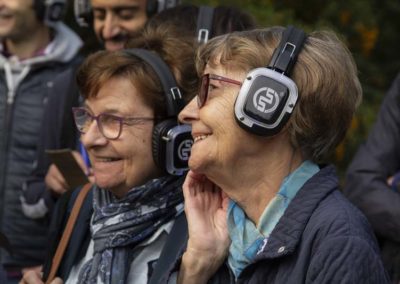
(213, 196)
(55, 185)
(192, 188)
(55, 180)
(59, 178)
(189, 185)
(196, 176)
(79, 159)
(91, 178)
(37, 268)
(57, 281)
(225, 200)
(53, 174)
(31, 277)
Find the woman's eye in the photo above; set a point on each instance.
(212, 87)
(109, 120)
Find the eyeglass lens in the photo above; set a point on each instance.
(109, 125)
(203, 92)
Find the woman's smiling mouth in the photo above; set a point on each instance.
(200, 137)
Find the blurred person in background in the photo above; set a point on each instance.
(35, 46)
(372, 181)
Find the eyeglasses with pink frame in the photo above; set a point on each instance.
(205, 83)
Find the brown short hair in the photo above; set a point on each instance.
(177, 52)
(325, 74)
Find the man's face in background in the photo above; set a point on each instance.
(115, 20)
(17, 19)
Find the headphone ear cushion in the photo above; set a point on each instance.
(55, 12)
(159, 144)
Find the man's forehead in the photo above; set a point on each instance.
(116, 3)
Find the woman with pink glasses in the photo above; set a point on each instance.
(261, 202)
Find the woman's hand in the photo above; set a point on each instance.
(35, 277)
(31, 277)
(206, 211)
(56, 182)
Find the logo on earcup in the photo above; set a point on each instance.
(266, 100)
(184, 149)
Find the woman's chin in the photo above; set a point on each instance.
(196, 165)
(105, 182)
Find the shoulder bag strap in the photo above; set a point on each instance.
(67, 232)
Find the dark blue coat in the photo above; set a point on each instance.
(25, 87)
(58, 132)
(20, 128)
(321, 238)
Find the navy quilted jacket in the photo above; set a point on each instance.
(25, 87)
(321, 238)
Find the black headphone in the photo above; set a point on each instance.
(156, 6)
(84, 16)
(49, 11)
(204, 24)
(268, 96)
(171, 142)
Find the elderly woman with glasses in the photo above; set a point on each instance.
(127, 122)
(262, 206)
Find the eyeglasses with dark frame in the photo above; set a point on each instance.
(205, 85)
(110, 125)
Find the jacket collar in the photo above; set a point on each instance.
(63, 48)
(287, 233)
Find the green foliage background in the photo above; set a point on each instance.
(369, 28)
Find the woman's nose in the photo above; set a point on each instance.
(93, 136)
(190, 112)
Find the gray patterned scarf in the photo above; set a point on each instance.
(118, 225)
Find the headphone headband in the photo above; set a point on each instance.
(174, 100)
(205, 23)
(49, 11)
(83, 12)
(156, 6)
(285, 55)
